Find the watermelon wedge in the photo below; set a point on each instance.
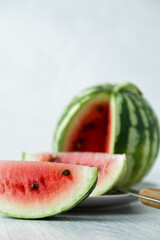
(111, 168)
(37, 190)
(111, 118)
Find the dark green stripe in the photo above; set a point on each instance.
(155, 126)
(140, 162)
(153, 130)
(150, 130)
(122, 140)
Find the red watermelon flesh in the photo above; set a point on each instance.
(93, 130)
(111, 167)
(35, 189)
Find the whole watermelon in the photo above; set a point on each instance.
(112, 118)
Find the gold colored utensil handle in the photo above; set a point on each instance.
(150, 193)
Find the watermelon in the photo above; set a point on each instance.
(111, 118)
(36, 189)
(111, 168)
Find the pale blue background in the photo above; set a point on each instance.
(50, 50)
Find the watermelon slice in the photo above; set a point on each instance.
(111, 168)
(36, 189)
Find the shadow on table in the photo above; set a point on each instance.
(98, 213)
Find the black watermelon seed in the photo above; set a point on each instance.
(65, 172)
(56, 159)
(78, 144)
(100, 108)
(81, 140)
(89, 126)
(50, 158)
(34, 186)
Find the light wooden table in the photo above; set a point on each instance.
(126, 222)
(132, 221)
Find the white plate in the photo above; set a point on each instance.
(115, 199)
(107, 200)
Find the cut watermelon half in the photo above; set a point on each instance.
(92, 127)
(115, 119)
(111, 167)
(36, 189)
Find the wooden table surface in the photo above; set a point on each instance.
(127, 221)
(132, 221)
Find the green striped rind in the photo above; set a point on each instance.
(135, 127)
(138, 135)
(130, 139)
(121, 132)
(151, 128)
(126, 88)
(138, 142)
